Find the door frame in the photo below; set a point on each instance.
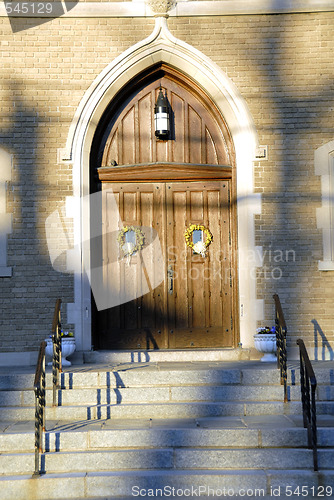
(172, 172)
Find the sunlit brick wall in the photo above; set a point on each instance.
(283, 67)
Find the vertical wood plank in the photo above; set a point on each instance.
(198, 303)
(160, 215)
(195, 132)
(178, 106)
(136, 133)
(146, 133)
(210, 149)
(196, 207)
(215, 263)
(130, 207)
(180, 268)
(203, 142)
(206, 260)
(187, 135)
(148, 309)
(128, 135)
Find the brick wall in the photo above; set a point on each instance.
(283, 67)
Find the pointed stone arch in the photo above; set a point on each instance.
(162, 47)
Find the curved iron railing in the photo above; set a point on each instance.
(308, 385)
(39, 384)
(39, 389)
(281, 331)
(56, 358)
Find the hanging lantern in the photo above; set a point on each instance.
(161, 116)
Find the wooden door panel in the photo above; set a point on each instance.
(138, 322)
(196, 338)
(177, 298)
(220, 262)
(195, 308)
(200, 307)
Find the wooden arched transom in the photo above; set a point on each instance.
(198, 133)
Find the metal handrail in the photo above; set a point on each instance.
(56, 355)
(308, 385)
(281, 331)
(39, 389)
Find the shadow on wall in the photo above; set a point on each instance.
(322, 348)
(29, 15)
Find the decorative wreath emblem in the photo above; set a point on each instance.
(128, 248)
(200, 247)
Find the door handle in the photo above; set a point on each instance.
(170, 274)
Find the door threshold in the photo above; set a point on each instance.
(166, 355)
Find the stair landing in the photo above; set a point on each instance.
(167, 356)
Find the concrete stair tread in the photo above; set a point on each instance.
(258, 421)
(213, 459)
(193, 409)
(76, 486)
(163, 393)
(112, 375)
(201, 438)
(179, 472)
(169, 458)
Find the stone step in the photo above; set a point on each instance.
(131, 484)
(174, 374)
(63, 439)
(150, 424)
(157, 410)
(147, 376)
(161, 394)
(107, 460)
(167, 356)
(198, 437)
(162, 410)
(25, 398)
(174, 394)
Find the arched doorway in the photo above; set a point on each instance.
(168, 186)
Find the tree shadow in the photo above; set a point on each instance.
(322, 348)
(23, 16)
(29, 196)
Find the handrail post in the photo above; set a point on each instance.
(281, 331)
(303, 389)
(308, 385)
(56, 358)
(39, 389)
(314, 428)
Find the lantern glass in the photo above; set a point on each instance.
(161, 124)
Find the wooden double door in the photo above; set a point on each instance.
(169, 296)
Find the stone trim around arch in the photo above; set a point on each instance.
(162, 47)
